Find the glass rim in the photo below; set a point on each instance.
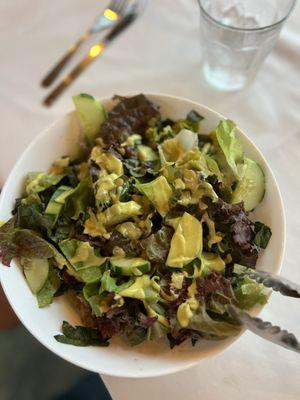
(263, 28)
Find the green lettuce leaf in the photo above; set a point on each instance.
(63, 229)
(91, 294)
(214, 168)
(191, 122)
(248, 293)
(81, 199)
(230, 145)
(136, 336)
(39, 181)
(161, 325)
(157, 331)
(156, 135)
(80, 254)
(52, 284)
(90, 275)
(143, 288)
(86, 264)
(31, 216)
(201, 321)
(109, 284)
(139, 169)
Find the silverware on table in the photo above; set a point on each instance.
(135, 8)
(264, 329)
(112, 13)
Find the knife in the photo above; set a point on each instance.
(94, 52)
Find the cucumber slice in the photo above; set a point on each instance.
(36, 272)
(130, 266)
(91, 114)
(251, 187)
(57, 202)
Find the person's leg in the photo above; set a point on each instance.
(28, 371)
(89, 388)
(8, 318)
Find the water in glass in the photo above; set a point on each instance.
(237, 35)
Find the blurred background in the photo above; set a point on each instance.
(160, 52)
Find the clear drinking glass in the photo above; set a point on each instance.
(237, 35)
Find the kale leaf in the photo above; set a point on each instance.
(262, 235)
(80, 336)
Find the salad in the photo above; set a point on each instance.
(147, 228)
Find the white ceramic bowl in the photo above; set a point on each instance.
(149, 359)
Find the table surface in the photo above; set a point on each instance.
(161, 53)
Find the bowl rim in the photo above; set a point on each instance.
(177, 367)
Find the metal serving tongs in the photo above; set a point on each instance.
(262, 328)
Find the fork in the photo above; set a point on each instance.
(109, 16)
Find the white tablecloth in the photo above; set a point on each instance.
(161, 53)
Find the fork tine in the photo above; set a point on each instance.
(115, 5)
(123, 6)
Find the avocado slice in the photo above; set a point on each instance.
(84, 264)
(80, 254)
(120, 212)
(186, 310)
(143, 288)
(136, 290)
(212, 261)
(159, 192)
(91, 115)
(186, 243)
(251, 187)
(184, 314)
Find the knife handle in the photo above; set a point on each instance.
(94, 52)
(54, 72)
